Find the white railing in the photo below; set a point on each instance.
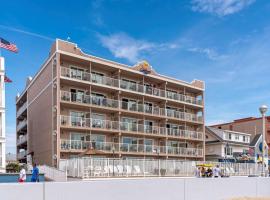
(21, 109)
(21, 154)
(108, 167)
(107, 81)
(21, 139)
(77, 145)
(134, 107)
(80, 122)
(21, 124)
(53, 174)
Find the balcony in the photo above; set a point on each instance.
(125, 85)
(125, 106)
(106, 125)
(21, 109)
(21, 124)
(126, 148)
(22, 154)
(22, 139)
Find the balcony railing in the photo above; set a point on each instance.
(21, 124)
(81, 122)
(21, 109)
(109, 147)
(132, 107)
(21, 154)
(22, 139)
(135, 87)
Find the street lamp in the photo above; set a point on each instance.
(113, 150)
(263, 109)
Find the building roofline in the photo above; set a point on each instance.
(130, 68)
(109, 62)
(246, 119)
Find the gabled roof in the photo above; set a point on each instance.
(255, 140)
(218, 133)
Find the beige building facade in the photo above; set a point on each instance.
(82, 105)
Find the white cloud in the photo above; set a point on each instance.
(220, 7)
(209, 53)
(122, 45)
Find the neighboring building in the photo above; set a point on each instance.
(224, 145)
(2, 117)
(249, 125)
(81, 105)
(255, 150)
(11, 158)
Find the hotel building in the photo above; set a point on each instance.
(82, 105)
(2, 116)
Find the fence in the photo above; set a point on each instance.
(100, 167)
(53, 173)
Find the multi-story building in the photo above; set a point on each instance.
(2, 116)
(251, 125)
(225, 145)
(81, 105)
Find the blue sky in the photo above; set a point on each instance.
(224, 43)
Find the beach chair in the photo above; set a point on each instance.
(137, 170)
(120, 169)
(128, 170)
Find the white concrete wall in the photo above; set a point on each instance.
(143, 188)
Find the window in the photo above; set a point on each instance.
(228, 151)
(148, 126)
(129, 124)
(77, 95)
(244, 138)
(98, 99)
(148, 89)
(230, 136)
(236, 137)
(148, 145)
(76, 73)
(127, 84)
(98, 120)
(170, 111)
(97, 77)
(98, 138)
(77, 118)
(148, 107)
(171, 94)
(129, 104)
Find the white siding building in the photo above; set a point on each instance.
(2, 116)
(225, 144)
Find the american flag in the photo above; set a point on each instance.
(7, 80)
(7, 45)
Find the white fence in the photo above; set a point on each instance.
(141, 188)
(53, 173)
(97, 167)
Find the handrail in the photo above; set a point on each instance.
(129, 148)
(149, 90)
(71, 121)
(21, 109)
(135, 107)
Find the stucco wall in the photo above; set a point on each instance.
(143, 188)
